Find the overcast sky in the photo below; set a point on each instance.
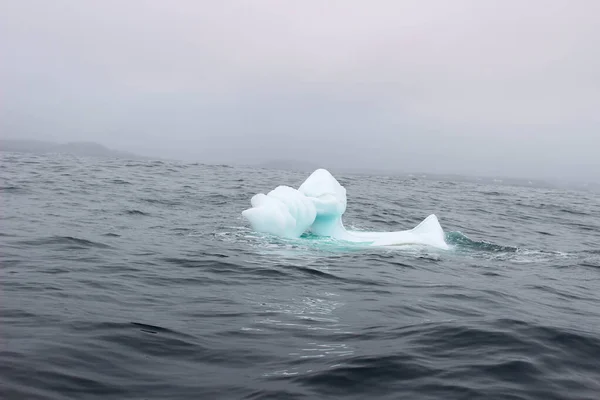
(506, 87)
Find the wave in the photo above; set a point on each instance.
(120, 182)
(461, 240)
(502, 358)
(13, 189)
(162, 202)
(136, 212)
(67, 241)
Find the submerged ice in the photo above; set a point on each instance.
(317, 206)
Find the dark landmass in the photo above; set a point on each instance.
(83, 149)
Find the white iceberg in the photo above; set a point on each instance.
(317, 206)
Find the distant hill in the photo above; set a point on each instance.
(85, 149)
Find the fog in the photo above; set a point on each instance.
(509, 88)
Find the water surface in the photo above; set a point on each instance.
(140, 280)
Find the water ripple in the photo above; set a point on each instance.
(140, 280)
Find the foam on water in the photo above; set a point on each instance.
(317, 206)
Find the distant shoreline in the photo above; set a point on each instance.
(83, 149)
(93, 149)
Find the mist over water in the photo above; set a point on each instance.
(140, 280)
(498, 88)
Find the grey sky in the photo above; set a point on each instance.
(464, 86)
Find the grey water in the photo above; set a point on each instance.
(140, 280)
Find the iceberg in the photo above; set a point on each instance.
(317, 206)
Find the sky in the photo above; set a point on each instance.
(488, 87)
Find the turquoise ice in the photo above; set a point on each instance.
(318, 205)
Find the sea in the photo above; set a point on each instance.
(129, 279)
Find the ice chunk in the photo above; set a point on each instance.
(329, 198)
(327, 193)
(318, 206)
(429, 232)
(284, 212)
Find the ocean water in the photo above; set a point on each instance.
(140, 280)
